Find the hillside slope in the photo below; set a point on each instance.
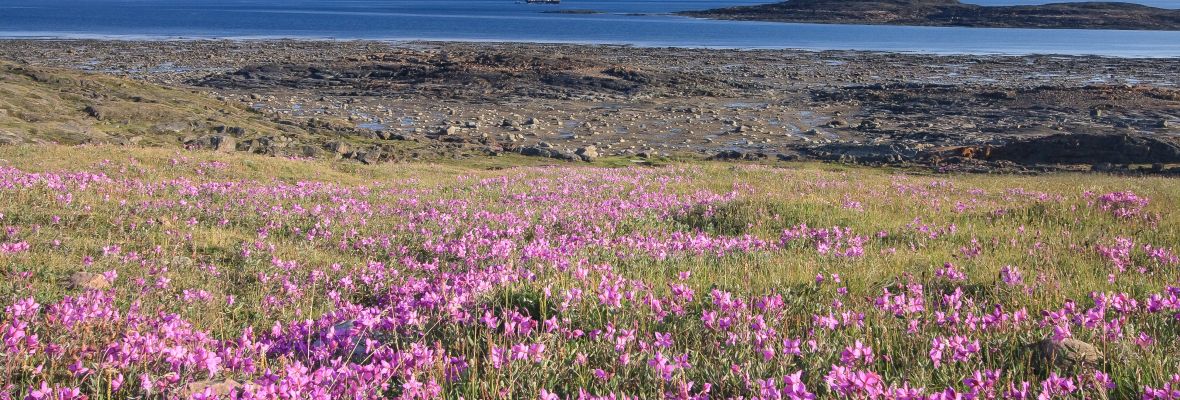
(46, 105)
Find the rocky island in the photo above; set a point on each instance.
(1089, 15)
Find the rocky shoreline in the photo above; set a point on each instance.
(582, 102)
(1086, 15)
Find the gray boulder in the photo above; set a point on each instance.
(219, 143)
(1067, 354)
(588, 153)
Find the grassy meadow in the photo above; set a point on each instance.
(154, 273)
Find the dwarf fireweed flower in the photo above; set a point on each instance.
(858, 353)
(1123, 205)
(835, 241)
(1169, 391)
(852, 383)
(950, 272)
(953, 349)
(1055, 387)
(1011, 276)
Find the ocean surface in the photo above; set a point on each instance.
(626, 22)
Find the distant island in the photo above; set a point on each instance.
(1090, 15)
(575, 12)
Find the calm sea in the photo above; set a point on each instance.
(631, 22)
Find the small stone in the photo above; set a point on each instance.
(219, 388)
(869, 124)
(181, 262)
(95, 112)
(89, 281)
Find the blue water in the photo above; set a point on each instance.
(631, 22)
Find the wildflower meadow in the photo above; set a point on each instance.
(145, 274)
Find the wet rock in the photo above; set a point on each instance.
(937, 154)
(1091, 149)
(862, 153)
(735, 155)
(1066, 354)
(89, 281)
